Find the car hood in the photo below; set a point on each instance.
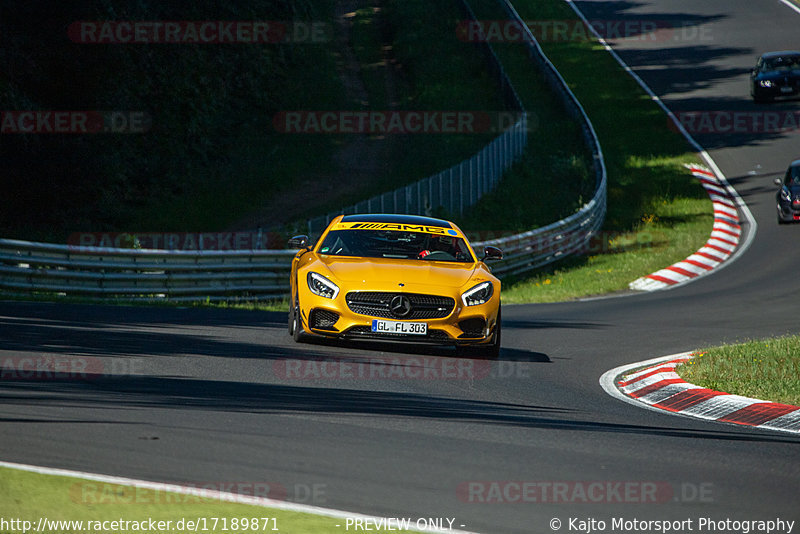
(411, 273)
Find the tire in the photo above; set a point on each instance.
(290, 326)
(493, 350)
(296, 324)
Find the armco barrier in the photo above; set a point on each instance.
(143, 274)
(215, 275)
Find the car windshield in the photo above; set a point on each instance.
(792, 176)
(396, 244)
(782, 63)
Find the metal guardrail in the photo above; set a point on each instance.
(263, 274)
(143, 274)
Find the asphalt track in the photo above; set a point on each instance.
(201, 396)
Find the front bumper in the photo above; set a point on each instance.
(462, 325)
(787, 213)
(776, 91)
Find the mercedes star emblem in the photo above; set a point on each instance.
(400, 306)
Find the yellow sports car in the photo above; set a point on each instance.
(397, 278)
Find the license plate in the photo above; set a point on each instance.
(787, 89)
(398, 327)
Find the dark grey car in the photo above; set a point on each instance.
(776, 74)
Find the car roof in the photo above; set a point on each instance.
(795, 163)
(398, 219)
(771, 55)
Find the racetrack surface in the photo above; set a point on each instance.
(203, 396)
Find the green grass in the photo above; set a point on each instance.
(30, 496)
(617, 258)
(767, 369)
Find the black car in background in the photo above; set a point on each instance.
(776, 74)
(789, 195)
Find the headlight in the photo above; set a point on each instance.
(765, 83)
(479, 294)
(319, 285)
(785, 194)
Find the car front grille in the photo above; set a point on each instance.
(378, 304)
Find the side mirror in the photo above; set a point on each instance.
(298, 242)
(778, 182)
(492, 253)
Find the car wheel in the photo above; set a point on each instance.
(297, 322)
(291, 321)
(493, 350)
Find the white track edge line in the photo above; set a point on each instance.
(788, 3)
(212, 494)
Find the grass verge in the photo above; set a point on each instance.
(767, 369)
(29, 496)
(657, 213)
(617, 258)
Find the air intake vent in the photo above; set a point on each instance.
(323, 319)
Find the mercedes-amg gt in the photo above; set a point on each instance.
(395, 277)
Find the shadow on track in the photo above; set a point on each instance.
(147, 332)
(149, 393)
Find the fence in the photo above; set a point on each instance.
(454, 189)
(216, 275)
